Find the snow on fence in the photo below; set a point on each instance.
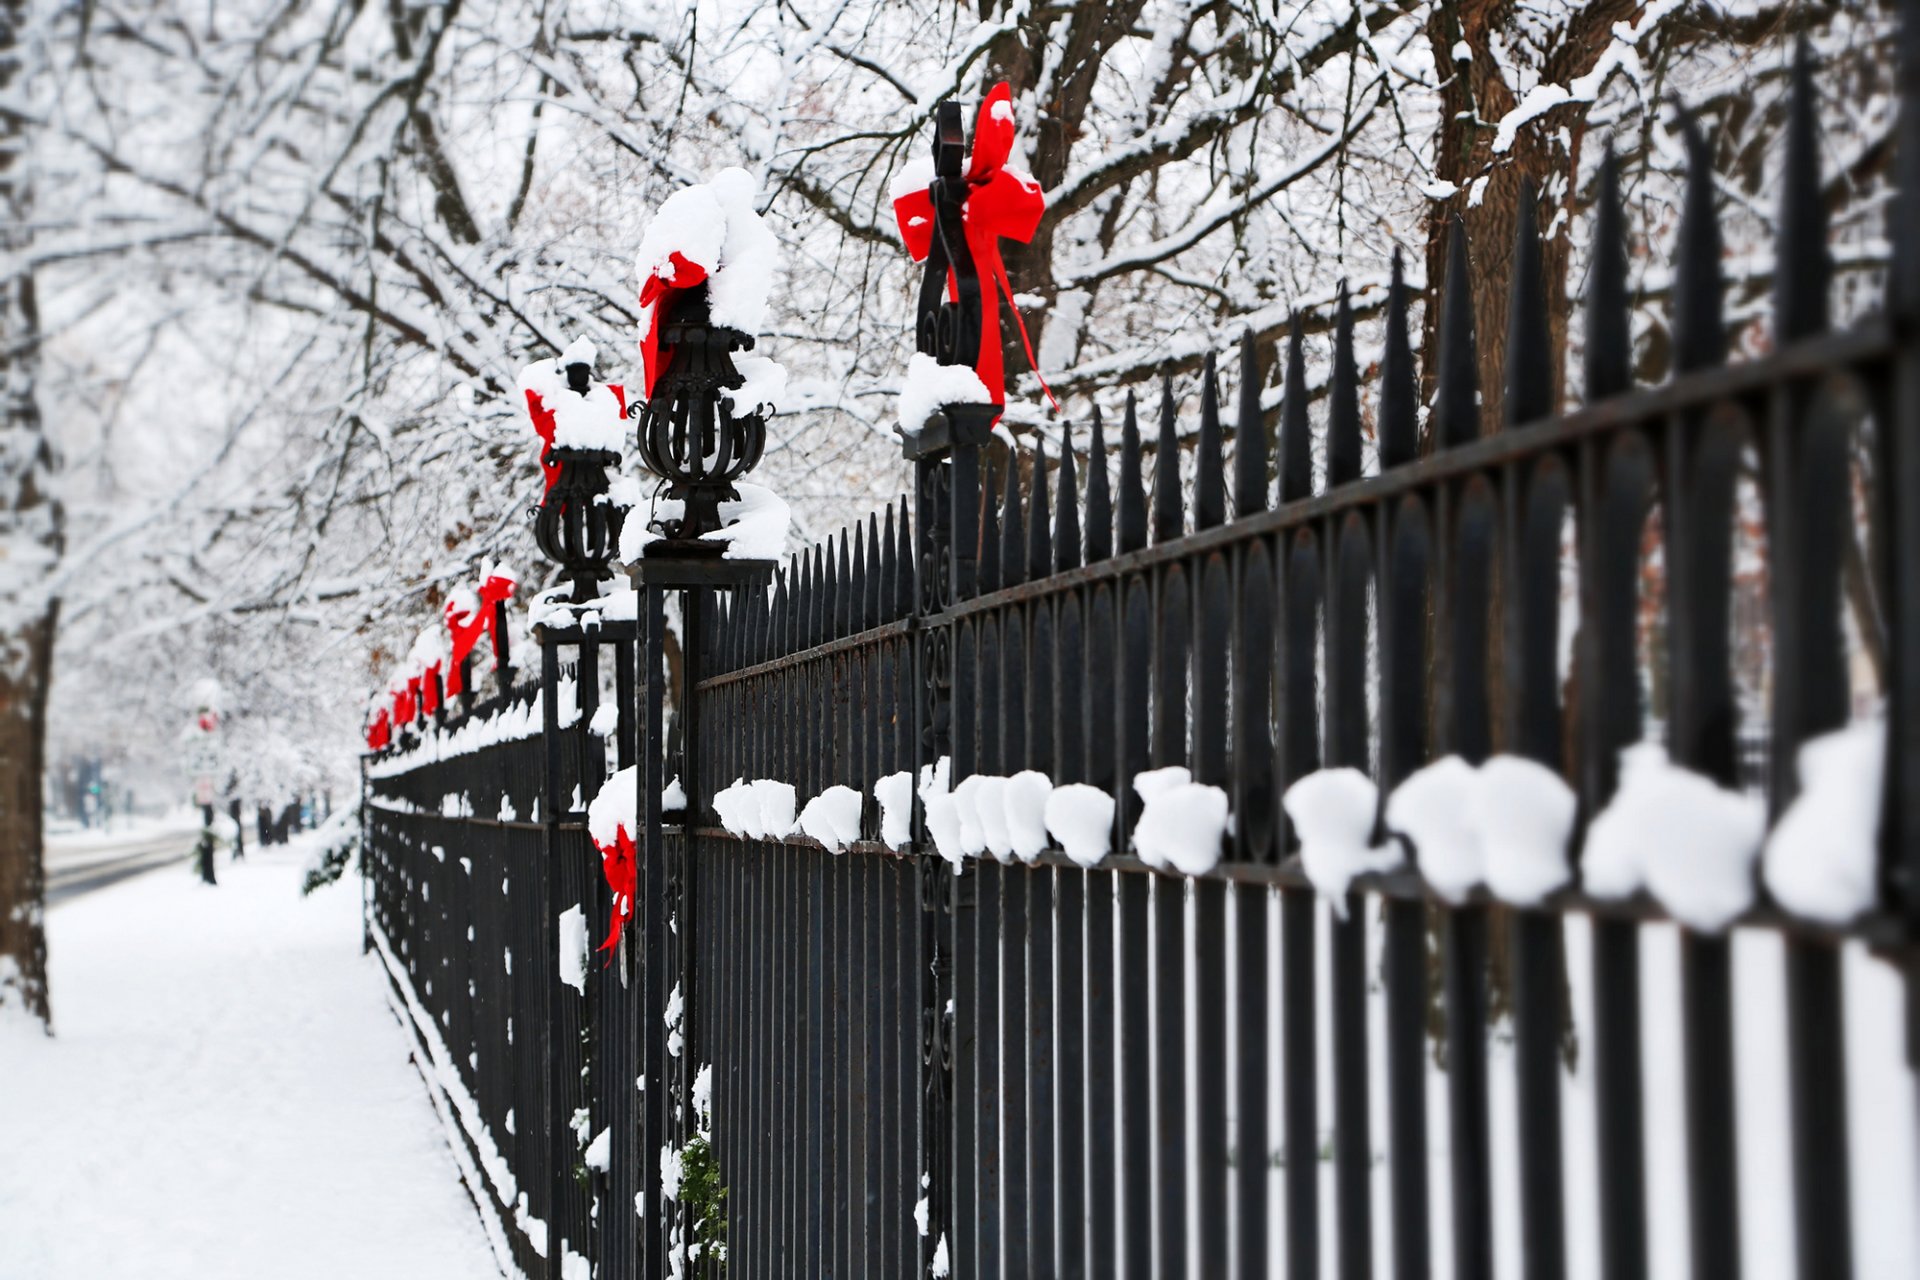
(1094, 872)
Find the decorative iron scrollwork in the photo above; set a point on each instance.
(690, 435)
(948, 328)
(576, 525)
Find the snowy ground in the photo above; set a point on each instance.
(227, 1095)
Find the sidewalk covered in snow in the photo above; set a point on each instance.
(227, 1095)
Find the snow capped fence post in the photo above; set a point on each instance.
(946, 414)
(707, 264)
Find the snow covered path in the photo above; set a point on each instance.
(227, 1095)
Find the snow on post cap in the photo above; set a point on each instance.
(929, 385)
(714, 225)
(596, 420)
(580, 351)
(614, 806)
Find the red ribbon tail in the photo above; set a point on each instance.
(1026, 343)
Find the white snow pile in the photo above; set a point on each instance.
(715, 225)
(763, 388)
(673, 797)
(1024, 801)
(755, 527)
(833, 818)
(599, 1151)
(1505, 824)
(930, 384)
(1080, 817)
(759, 810)
(982, 803)
(591, 421)
(1333, 812)
(895, 794)
(606, 719)
(942, 815)
(1689, 841)
(573, 948)
(941, 1266)
(614, 806)
(1182, 822)
(1820, 861)
(554, 607)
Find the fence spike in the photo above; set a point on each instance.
(743, 626)
(1169, 521)
(817, 597)
(1066, 541)
(1039, 517)
(855, 576)
(1249, 436)
(1399, 399)
(1210, 476)
(1609, 336)
(777, 616)
(1805, 266)
(1133, 494)
(846, 588)
(1343, 401)
(870, 609)
(762, 624)
(796, 638)
(1296, 430)
(1699, 334)
(1099, 495)
(1529, 395)
(888, 586)
(903, 587)
(1013, 533)
(989, 530)
(1456, 407)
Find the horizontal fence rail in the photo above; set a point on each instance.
(858, 1039)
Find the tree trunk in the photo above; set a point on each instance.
(1488, 187)
(29, 547)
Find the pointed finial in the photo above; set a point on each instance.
(1209, 476)
(1699, 332)
(903, 562)
(1133, 496)
(989, 573)
(1039, 518)
(1066, 542)
(1609, 338)
(1099, 495)
(870, 612)
(1296, 430)
(1343, 400)
(1399, 397)
(1805, 267)
(1529, 396)
(1249, 436)
(1013, 530)
(1456, 409)
(889, 569)
(1169, 521)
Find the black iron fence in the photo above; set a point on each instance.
(878, 1061)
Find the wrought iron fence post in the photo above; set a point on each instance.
(691, 438)
(945, 452)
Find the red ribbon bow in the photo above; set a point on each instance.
(466, 627)
(380, 732)
(1002, 204)
(403, 703)
(658, 293)
(621, 865)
